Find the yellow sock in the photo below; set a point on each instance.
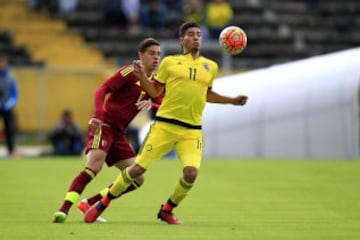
(122, 182)
(72, 197)
(180, 191)
(104, 191)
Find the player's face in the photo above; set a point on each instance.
(150, 58)
(191, 42)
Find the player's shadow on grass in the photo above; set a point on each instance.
(128, 223)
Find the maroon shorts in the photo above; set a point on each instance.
(113, 142)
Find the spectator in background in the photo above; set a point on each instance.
(174, 5)
(122, 14)
(114, 14)
(50, 6)
(67, 6)
(193, 11)
(219, 14)
(153, 14)
(174, 16)
(66, 137)
(131, 10)
(8, 99)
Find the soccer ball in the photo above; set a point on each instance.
(233, 40)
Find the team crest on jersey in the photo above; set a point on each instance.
(103, 143)
(148, 147)
(206, 66)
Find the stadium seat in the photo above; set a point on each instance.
(45, 39)
(277, 30)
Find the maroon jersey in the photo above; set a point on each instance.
(115, 99)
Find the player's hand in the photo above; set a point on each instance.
(95, 125)
(138, 67)
(144, 105)
(240, 100)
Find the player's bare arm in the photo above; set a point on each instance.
(153, 89)
(214, 97)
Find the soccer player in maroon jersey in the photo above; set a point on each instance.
(117, 102)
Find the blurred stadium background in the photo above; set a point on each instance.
(59, 59)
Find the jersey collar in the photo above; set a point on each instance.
(189, 56)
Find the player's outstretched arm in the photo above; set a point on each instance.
(214, 97)
(153, 89)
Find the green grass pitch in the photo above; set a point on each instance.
(232, 200)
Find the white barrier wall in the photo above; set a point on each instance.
(303, 109)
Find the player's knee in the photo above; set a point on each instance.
(95, 163)
(190, 174)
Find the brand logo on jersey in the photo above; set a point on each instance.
(179, 63)
(103, 143)
(206, 66)
(137, 83)
(125, 71)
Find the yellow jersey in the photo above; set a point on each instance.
(218, 14)
(186, 83)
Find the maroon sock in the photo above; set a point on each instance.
(97, 197)
(66, 206)
(78, 185)
(94, 199)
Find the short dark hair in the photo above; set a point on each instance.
(186, 26)
(146, 43)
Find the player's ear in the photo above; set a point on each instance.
(181, 41)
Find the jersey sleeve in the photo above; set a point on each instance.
(114, 82)
(162, 74)
(118, 79)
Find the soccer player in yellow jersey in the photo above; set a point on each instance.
(187, 80)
